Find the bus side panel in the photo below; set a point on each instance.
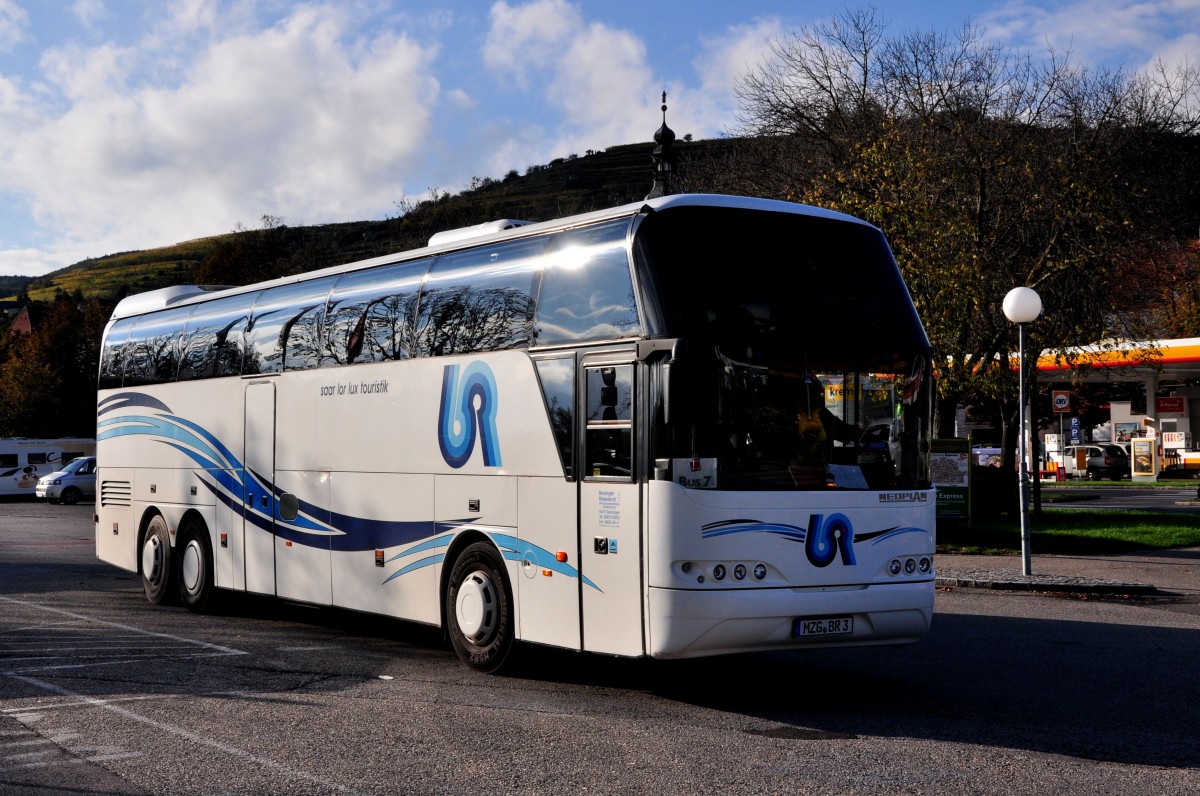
(611, 552)
(229, 551)
(258, 480)
(174, 437)
(117, 526)
(302, 563)
(547, 591)
(166, 485)
(483, 503)
(475, 499)
(385, 417)
(384, 555)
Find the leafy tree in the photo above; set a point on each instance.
(986, 169)
(48, 378)
(1160, 289)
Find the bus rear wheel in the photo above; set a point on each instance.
(195, 566)
(156, 561)
(479, 609)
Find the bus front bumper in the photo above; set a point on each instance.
(695, 623)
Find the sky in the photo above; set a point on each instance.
(128, 124)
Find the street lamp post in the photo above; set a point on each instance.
(1021, 306)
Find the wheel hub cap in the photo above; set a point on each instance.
(152, 559)
(475, 607)
(190, 566)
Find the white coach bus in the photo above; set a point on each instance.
(586, 433)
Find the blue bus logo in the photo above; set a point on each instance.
(827, 536)
(468, 412)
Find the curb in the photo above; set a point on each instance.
(1045, 583)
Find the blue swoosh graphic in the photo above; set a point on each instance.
(230, 481)
(794, 532)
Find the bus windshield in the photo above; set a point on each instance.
(805, 365)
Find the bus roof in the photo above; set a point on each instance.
(467, 237)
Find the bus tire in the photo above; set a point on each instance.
(195, 566)
(70, 496)
(156, 564)
(479, 608)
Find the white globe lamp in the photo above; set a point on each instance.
(1022, 305)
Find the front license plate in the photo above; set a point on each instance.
(823, 626)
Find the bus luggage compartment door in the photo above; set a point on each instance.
(259, 458)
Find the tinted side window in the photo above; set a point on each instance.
(587, 289)
(112, 357)
(371, 314)
(480, 299)
(284, 328)
(609, 441)
(153, 348)
(212, 341)
(557, 377)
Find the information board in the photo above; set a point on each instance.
(950, 472)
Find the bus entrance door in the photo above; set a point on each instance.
(610, 515)
(258, 523)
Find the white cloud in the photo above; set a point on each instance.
(13, 22)
(196, 115)
(1183, 50)
(600, 81)
(1096, 31)
(725, 59)
(89, 12)
(302, 120)
(35, 262)
(192, 15)
(733, 53)
(529, 35)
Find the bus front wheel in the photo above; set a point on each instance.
(195, 566)
(156, 561)
(479, 609)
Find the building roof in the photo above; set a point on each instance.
(1126, 360)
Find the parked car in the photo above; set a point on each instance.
(70, 484)
(1103, 460)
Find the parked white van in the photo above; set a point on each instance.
(76, 480)
(23, 461)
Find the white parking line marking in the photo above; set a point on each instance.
(73, 699)
(137, 631)
(187, 735)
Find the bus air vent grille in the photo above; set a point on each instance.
(116, 493)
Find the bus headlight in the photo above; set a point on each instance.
(739, 572)
(719, 572)
(894, 566)
(760, 571)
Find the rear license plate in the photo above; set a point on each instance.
(823, 626)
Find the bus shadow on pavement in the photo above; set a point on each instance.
(1118, 693)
